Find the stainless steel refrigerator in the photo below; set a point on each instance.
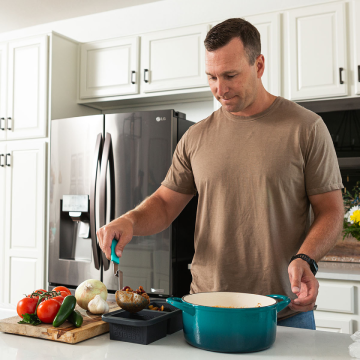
(101, 167)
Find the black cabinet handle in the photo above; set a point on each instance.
(1, 160)
(146, 72)
(9, 123)
(133, 77)
(340, 74)
(2, 121)
(6, 159)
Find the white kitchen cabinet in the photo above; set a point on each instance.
(109, 68)
(355, 14)
(317, 51)
(3, 93)
(337, 306)
(27, 88)
(24, 245)
(2, 217)
(268, 26)
(173, 59)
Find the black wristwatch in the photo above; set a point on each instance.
(313, 265)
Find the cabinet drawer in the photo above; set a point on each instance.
(337, 298)
(334, 325)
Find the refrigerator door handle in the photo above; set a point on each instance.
(97, 158)
(107, 160)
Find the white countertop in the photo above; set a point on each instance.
(290, 344)
(339, 271)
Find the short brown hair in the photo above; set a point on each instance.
(221, 34)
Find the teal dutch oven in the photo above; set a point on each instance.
(230, 322)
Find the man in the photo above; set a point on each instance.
(257, 163)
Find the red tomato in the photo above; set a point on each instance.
(47, 310)
(62, 289)
(59, 298)
(63, 293)
(26, 306)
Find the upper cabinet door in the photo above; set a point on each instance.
(3, 90)
(317, 44)
(268, 26)
(356, 44)
(110, 68)
(27, 88)
(174, 59)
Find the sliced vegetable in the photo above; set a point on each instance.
(47, 310)
(76, 318)
(65, 310)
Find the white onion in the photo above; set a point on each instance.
(87, 290)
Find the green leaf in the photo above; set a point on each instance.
(31, 319)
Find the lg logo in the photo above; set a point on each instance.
(160, 118)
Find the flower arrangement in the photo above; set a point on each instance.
(352, 212)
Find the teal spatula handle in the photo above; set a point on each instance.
(114, 257)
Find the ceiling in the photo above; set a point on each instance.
(17, 14)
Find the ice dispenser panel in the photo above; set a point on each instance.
(75, 239)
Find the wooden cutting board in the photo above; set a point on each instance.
(92, 326)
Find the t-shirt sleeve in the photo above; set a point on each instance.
(322, 173)
(180, 177)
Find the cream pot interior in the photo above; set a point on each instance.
(229, 299)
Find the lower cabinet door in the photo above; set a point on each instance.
(2, 217)
(24, 249)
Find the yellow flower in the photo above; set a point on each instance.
(355, 217)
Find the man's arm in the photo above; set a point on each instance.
(152, 216)
(328, 211)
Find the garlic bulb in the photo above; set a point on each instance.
(98, 305)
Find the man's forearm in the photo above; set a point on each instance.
(323, 234)
(149, 217)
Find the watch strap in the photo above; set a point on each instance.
(311, 262)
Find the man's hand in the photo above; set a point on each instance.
(303, 284)
(120, 229)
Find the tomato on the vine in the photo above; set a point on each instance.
(63, 289)
(26, 306)
(59, 298)
(39, 291)
(47, 310)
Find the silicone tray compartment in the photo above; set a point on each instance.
(146, 326)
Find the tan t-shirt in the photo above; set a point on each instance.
(253, 176)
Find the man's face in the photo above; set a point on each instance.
(232, 80)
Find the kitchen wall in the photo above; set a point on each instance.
(156, 16)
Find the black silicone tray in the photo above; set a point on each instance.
(146, 326)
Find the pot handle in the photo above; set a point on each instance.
(285, 301)
(181, 304)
